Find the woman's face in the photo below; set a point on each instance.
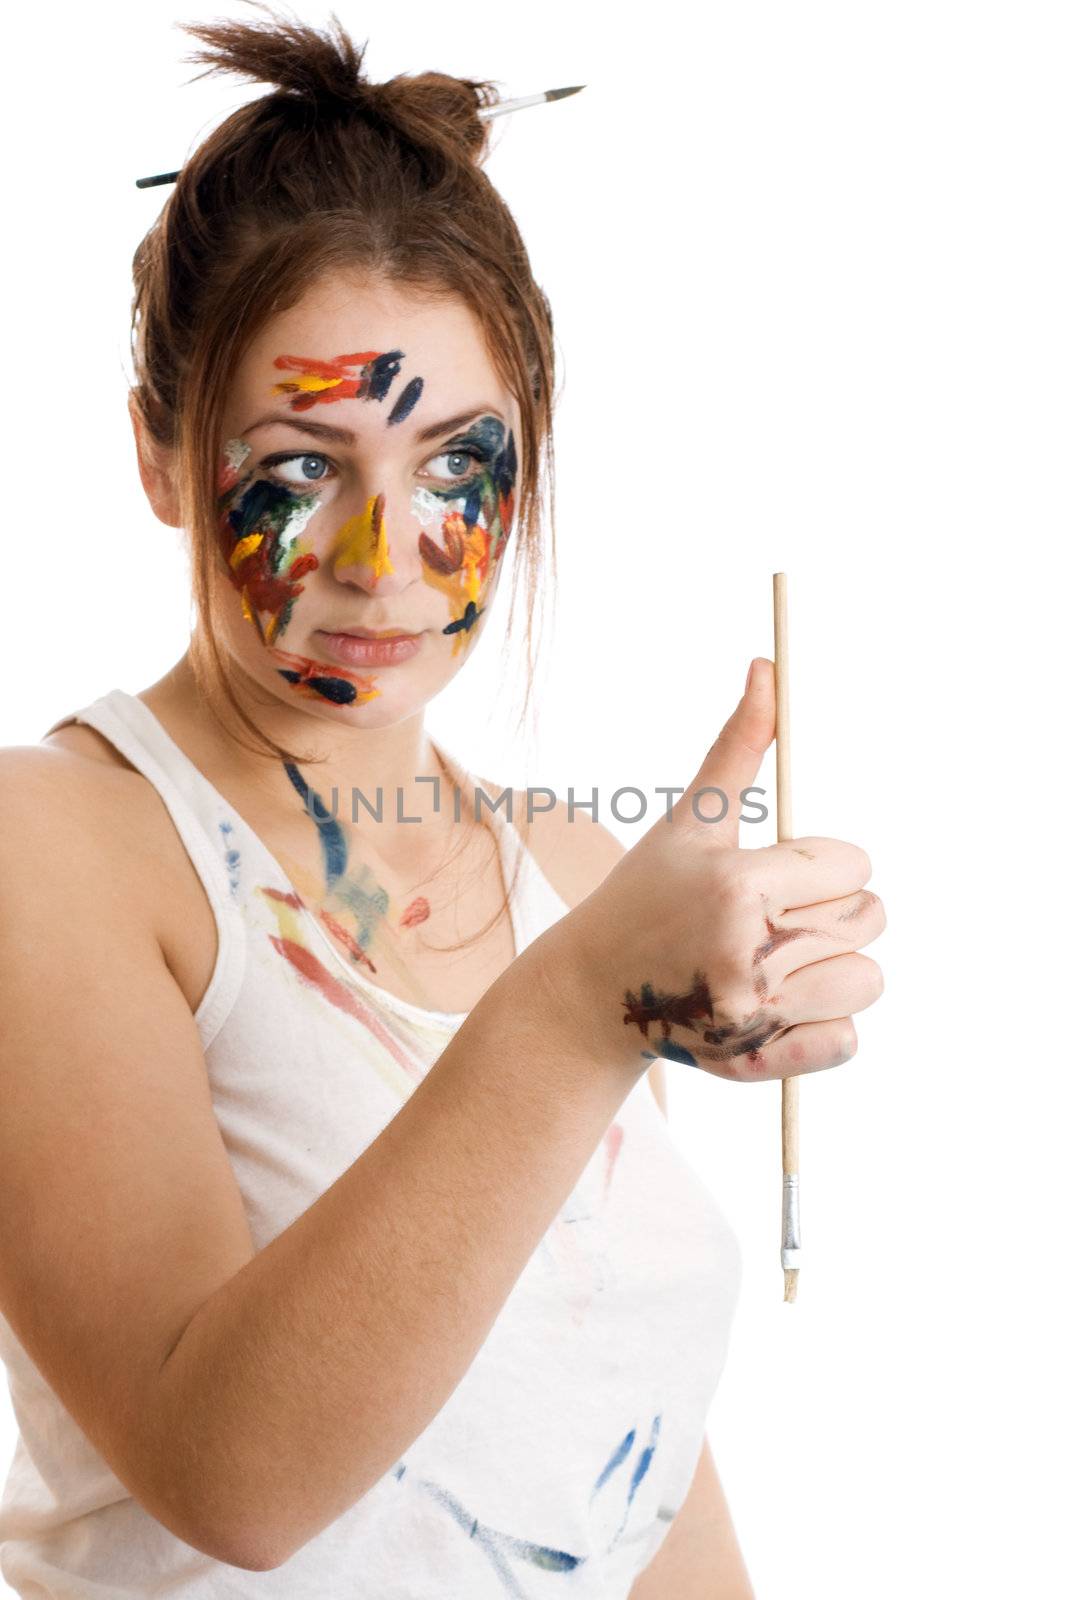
(365, 495)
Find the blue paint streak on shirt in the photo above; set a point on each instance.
(642, 1465)
(231, 856)
(496, 1545)
(619, 1456)
(645, 1459)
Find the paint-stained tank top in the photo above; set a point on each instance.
(555, 1467)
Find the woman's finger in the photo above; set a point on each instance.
(807, 1047)
(836, 987)
(812, 933)
(803, 872)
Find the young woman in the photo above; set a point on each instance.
(343, 1246)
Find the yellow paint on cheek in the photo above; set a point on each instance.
(361, 541)
(244, 547)
(475, 561)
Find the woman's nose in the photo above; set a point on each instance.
(376, 549)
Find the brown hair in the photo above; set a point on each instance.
(328, 171)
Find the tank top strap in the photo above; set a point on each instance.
(193, 806)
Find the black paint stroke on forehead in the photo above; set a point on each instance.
(407, 402)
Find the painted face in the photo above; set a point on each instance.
(468, 526)
(365, 493)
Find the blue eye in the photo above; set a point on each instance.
(310, 468)
(457, 455)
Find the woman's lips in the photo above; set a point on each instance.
(356, 651)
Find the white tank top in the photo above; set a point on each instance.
(556, 1465)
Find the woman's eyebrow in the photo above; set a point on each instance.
(333, 435)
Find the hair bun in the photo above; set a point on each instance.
(324, 70)
(291, 56)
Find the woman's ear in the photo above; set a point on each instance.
(156, 468)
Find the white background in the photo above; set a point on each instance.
(808, 270)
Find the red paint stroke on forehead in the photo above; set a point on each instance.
(335, 376)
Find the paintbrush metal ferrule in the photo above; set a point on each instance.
(790, 1220)
(530, 100)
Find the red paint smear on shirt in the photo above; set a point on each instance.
(352, 945)
(613, 1140)
(330, 988)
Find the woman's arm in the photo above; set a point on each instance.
(700, 1558)
(247, 1398)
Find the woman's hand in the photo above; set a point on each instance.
(742, 962)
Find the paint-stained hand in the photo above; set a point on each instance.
(743, 962)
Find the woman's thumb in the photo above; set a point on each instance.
(733, 762)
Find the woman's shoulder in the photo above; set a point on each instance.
(72, 806)
(62, 774)
(73, 779)
(574, 853)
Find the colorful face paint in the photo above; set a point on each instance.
(260, 524)
(406, 404)
(461, 545)
(324, 681)
(366, 375)
(361, 541)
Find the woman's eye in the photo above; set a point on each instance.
(450, 457)
(298, 470)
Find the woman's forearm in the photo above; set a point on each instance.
(298, 1384)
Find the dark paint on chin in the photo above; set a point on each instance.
(337, 690)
